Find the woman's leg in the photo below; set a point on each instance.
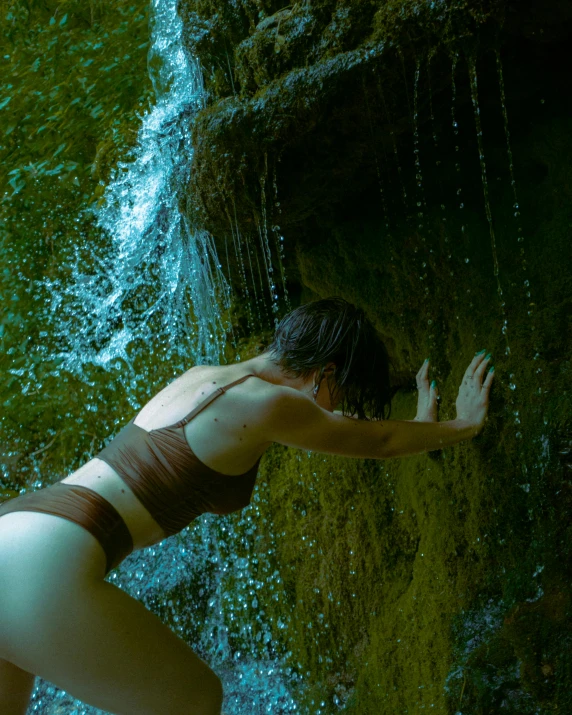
(62, 622)
(16, 687)
(107, 650)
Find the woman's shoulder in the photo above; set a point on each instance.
(220, 375)
(247, 395)
(212, 377)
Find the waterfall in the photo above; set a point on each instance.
(158, 283)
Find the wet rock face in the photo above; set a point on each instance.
(328, 117)
(286, 78)
(292, 81)
(415, 157)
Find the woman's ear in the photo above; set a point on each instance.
(329, 369)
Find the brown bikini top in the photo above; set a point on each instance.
(169, 479)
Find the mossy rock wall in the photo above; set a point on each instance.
(436, 581)
(415, 158)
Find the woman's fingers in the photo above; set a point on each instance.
(423, 375)
(474, 371)
(488, 380)
(481, 369)
(474, 364)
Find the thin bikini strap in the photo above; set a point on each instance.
(201, 406)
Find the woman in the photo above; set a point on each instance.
(193, 448)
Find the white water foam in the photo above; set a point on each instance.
(155, 280)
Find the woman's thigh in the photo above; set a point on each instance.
(16, 686)
(95, 641)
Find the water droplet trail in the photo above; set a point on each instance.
(516, 204)
(477, 113)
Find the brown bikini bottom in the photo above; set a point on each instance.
(84, 507)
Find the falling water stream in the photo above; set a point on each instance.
(279, 238)
(516, 204)
(395, 152)
(138, 291)
(383, 205)
(478, 127)
(416, 151)
(437, 162)
(237, 245)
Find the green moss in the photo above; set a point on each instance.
(435, 581)
(73, 77)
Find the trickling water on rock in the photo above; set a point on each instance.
(480, 144)
(516, 204)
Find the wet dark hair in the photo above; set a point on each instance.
(333, 330)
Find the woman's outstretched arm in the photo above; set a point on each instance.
(294, 420)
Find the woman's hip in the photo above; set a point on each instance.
(64, 529)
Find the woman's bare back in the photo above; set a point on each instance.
(225, 436)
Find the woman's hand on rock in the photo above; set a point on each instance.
(473, 398)
(426, 396)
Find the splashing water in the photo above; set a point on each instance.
(476, 630)
(221, 614)
(140, 288)
(266, 308)
(258, 300)
(159, 282)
